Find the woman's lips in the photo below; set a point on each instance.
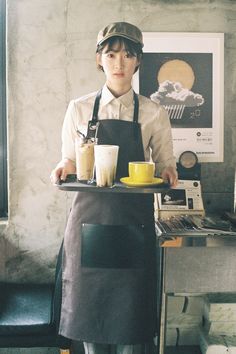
(119, 74)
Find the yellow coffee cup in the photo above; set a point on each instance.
(141, 171)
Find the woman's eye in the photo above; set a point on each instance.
(110, 55)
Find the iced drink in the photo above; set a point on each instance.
(106, 157)
(84, 159)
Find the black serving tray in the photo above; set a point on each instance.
(71, 184)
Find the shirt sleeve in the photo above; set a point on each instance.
(69, 132)
(161, 142)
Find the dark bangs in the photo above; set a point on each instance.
(116, 43)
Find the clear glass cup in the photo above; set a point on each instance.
(84, 151)
(106, 157)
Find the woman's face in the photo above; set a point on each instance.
(118, 65)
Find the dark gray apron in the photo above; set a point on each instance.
(109, 278)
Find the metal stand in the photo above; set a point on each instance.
(162, 304)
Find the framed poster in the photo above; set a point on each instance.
(184, 72)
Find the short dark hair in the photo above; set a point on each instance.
(132, 48)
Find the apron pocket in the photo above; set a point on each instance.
(113, 246)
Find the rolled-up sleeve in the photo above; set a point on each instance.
(161, 142)
(69, 132)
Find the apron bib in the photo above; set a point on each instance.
(109, 275)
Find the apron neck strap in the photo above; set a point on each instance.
(136, 108)
(96, 106)
(97, 102)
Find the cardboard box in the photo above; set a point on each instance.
(191, 305)
(231, 344)
(220, 307)
(182, 336)
(216, 344)
(184, 316)
(221, 328)
(212, 344)
(183, 320)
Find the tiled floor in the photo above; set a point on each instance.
(183, 350)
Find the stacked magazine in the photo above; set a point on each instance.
(194, 225)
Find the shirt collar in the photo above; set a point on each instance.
(126, 99)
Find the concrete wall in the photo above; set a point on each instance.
(51, 59)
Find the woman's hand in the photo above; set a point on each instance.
(170, 175)
(63, 168)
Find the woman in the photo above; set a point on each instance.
(109, 292)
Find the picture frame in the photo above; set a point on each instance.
(184, 72)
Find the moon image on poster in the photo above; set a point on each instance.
(177, 71)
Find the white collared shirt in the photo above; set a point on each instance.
(155, 124)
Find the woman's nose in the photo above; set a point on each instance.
(119, 63)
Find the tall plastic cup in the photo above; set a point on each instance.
(106, 157)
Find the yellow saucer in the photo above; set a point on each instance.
(129, 182)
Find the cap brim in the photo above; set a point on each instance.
(119, 35)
